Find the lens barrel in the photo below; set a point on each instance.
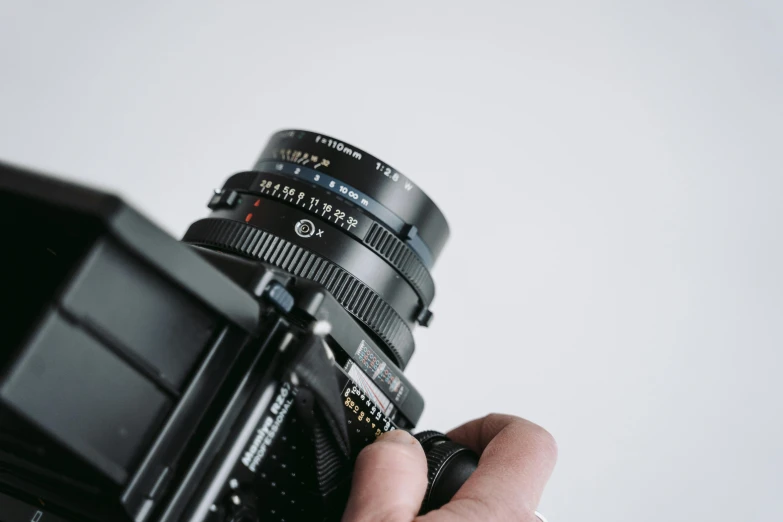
(325, 210)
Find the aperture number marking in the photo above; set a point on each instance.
(387, 171)
(365, 411)
(313, 204)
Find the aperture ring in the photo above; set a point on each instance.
(378, 238)
(356, 297)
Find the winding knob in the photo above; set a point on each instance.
(448, 467)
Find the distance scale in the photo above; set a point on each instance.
(317, 202)
(313, 200)
(355, 197)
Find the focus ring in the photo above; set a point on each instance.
(356, 297)
(402, 258)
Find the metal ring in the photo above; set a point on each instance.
(540, 517)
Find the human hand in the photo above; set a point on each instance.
(516, 460)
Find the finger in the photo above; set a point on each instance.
(517, 458)
(389, 480)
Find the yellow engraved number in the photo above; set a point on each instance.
(361, 415)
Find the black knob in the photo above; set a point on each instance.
(448, 467)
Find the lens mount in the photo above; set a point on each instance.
(355, 296)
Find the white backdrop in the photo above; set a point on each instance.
(611, 173)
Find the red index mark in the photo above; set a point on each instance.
(258, 201)
(247, 219)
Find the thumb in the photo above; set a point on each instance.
(389, 480)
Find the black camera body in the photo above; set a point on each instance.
(234, 376)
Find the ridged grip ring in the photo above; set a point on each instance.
(449, 465)
(356, 297)
(401, 257)
(437, 457)
(424, 437)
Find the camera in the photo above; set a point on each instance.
(233, 376)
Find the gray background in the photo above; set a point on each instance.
(611, 172)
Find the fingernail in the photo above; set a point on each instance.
(397, 436)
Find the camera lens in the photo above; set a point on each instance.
(325, 210)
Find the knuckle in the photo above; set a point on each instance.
(500, 419)
(493, 424)
(542, 440)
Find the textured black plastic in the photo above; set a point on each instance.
(117, 294)
(356, 297)
(14, 510)
(88, 398)
(99, 373)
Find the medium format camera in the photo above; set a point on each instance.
(230, 377)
